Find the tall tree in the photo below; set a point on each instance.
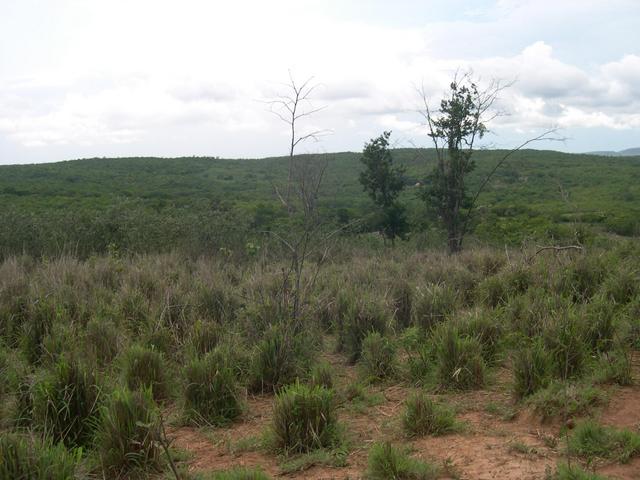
(454, 129)
(382, 180)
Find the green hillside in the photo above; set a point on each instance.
(149, 204)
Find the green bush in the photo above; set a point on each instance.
(573, 472)
(363, 316)
(238, 473)
(561, 399)
(590, 439)
(322, 375)
(280, 358)
(378, 356)
(432, 304)
(146, 368)
(211, 395)
(531, 369)
(65, 403)
(304, 419)
(102, 340)
(459, 360)
(205, 336)
(386, 462)
(422, 416)
(128, 434)
(22, 458)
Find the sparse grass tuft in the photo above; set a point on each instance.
(590, 439)
(561, 398)
(422, 416)
(378, 356)
(387, 462)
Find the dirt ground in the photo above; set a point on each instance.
(498, 440)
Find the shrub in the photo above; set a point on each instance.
(363, 316)
(378, 356)
(561, 399)
(573, 472)
(460, 364)
(65, 403)
(279, 358)
(432, 305)
(22, 458)
(582, 278)
(128, 433)
(238, 473)
(205, 336)
(531, 369)
(146, 368)
(622, 286)
(422, 416)
(211, 395)
(304, 419)
(402, 303)
(564, 338)
(590, 439)
(322, 375)
(386, 462)
(486, 330)
(102, 340)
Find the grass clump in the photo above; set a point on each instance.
(459, 359)
(205, 336)
(573, 472)
(387, 462)
(378, 356)
(590, 439)
(22, 458)
(211, 395)
(577, 398)
(102, 341)
(531, 370)
(422, 416)
(304, 419)
(363, 316)
(65, 403)
(238, 473)
(564, 338)
(146, 368)
(279, 358)
(322, 375)
(432, 304)
(128, 434)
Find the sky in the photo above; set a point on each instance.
(105, 78)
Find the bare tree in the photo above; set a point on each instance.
(454, 128)
(290, 107)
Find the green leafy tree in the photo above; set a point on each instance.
(382, 181)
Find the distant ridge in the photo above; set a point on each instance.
(629, 152)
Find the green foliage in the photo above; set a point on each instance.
(363, 316)
(238, 473)
(383, 182)
(402, 296)
(322, 375)
(422, 416)
(387, 462)
(561, 399)
(486, 329)
(590, 439)
(459, 360)
(146, 368)
(573, 472)
(564, 338)
(304, 419)
(128, 434)
(622, 285)
(65, 403)
(582, 278)
(211, 395)
(378, 356)
(23, 458)
(280, 358)
(204, 337)
(432, 304)
(35, 329)
(532, 367)
(102, 340)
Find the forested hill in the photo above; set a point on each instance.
(152, 203)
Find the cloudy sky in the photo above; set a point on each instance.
(93, 78)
